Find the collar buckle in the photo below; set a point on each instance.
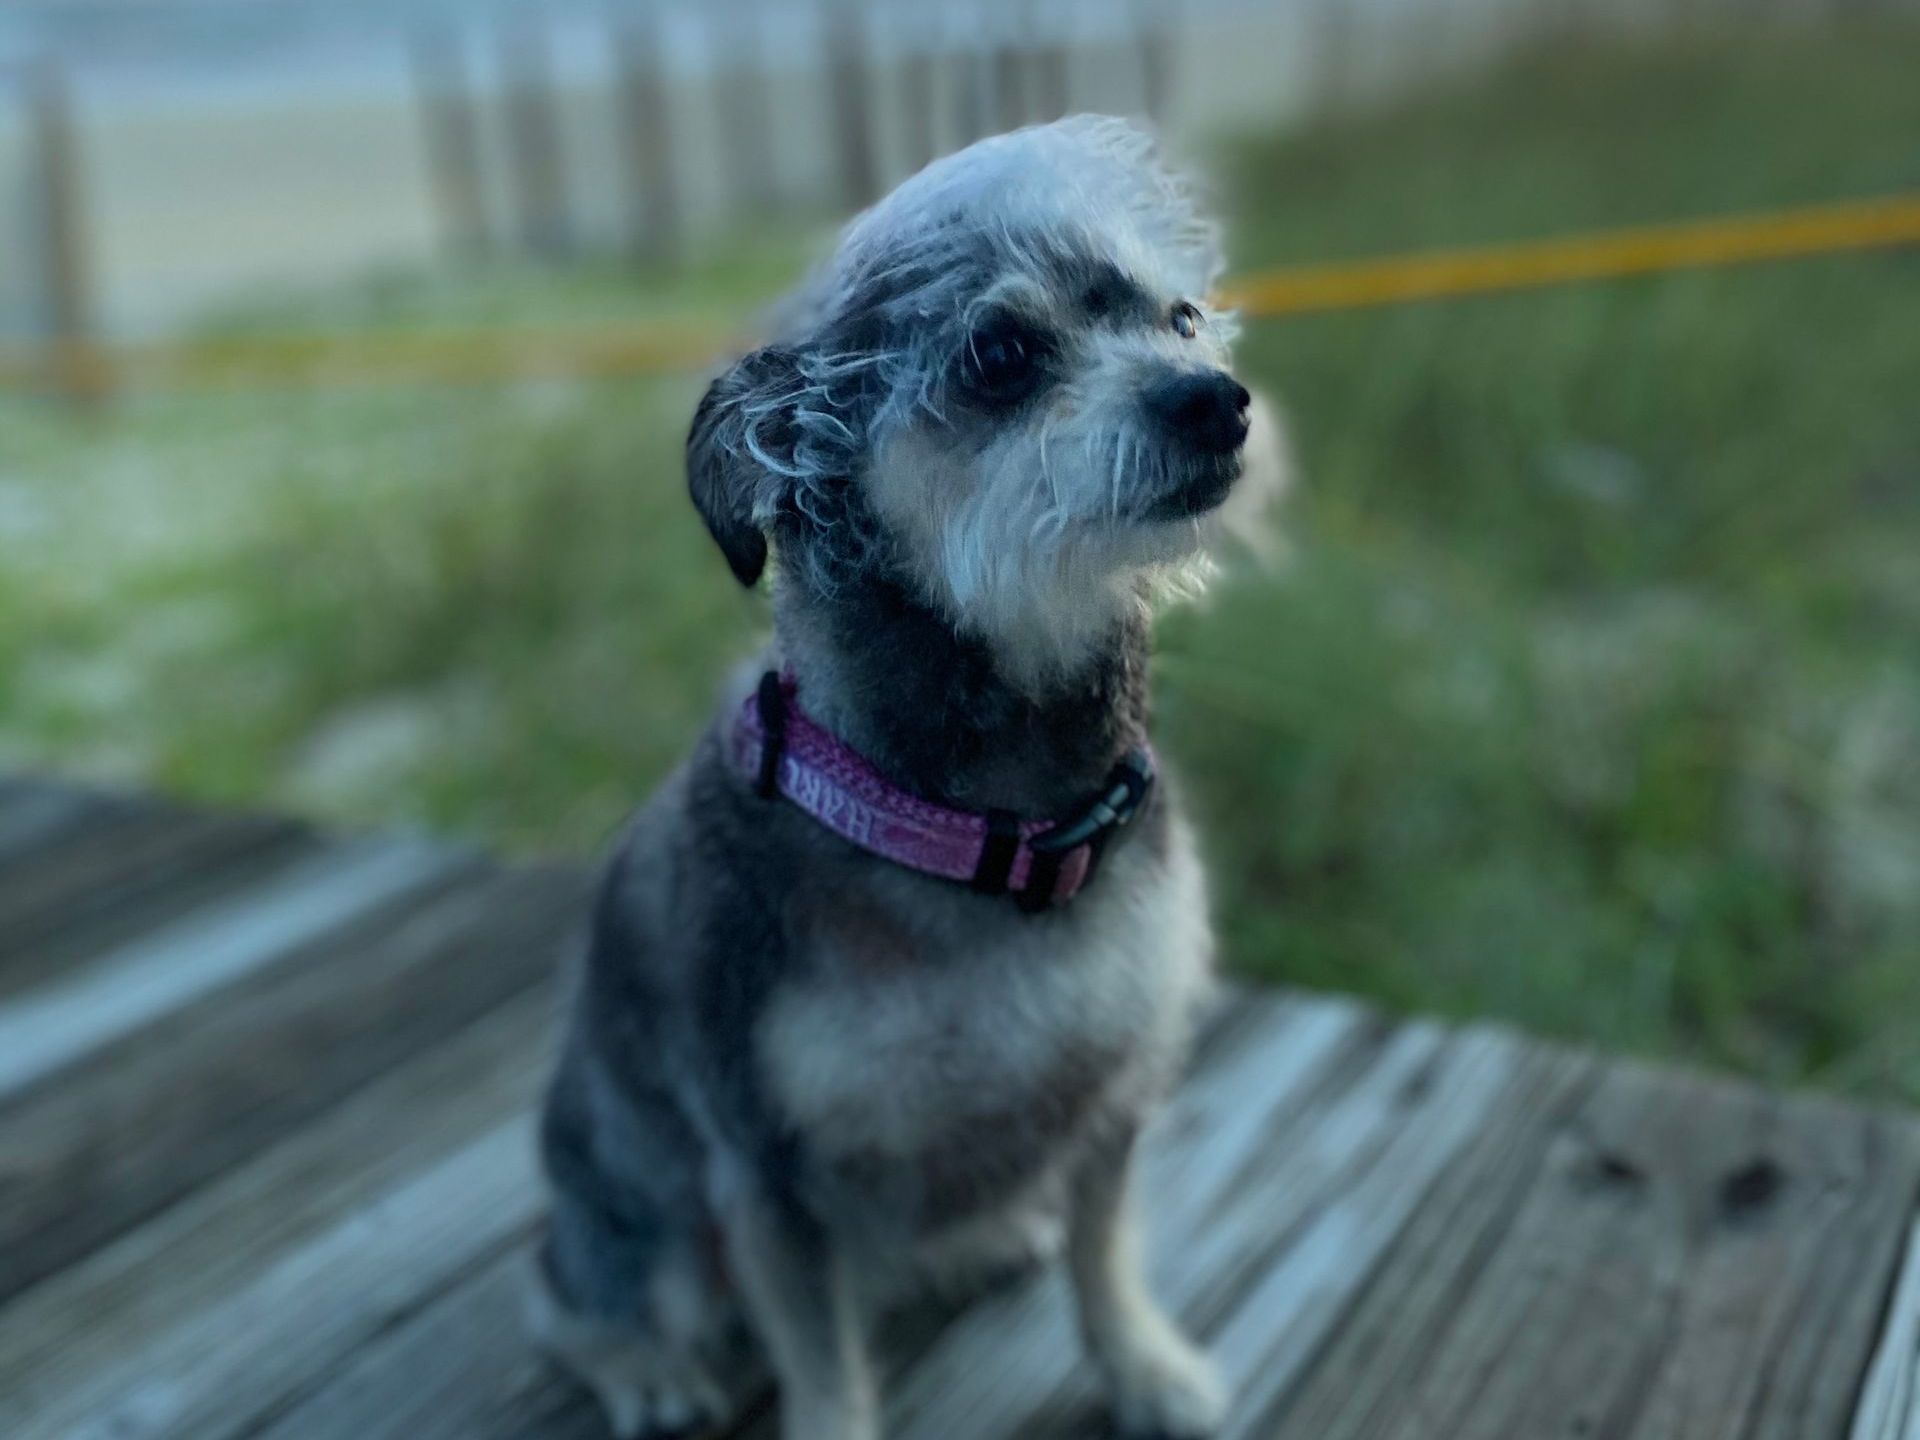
(1126, 792)
(1093, 827)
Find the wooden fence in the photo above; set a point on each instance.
(698, 115)
(57, 234)
(877, 68)
(495, 149)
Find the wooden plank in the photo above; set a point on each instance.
(466, 1373)
(1679, 1257)
(1297, 1296)
(1274, 1238)
(85, 844)
(217, 1372)
(163, 1112)
(1804, 1228)
(102, 892)
(77, 1326)
(34, 815)
(96, 833)
(1454, 1224)
(58, 1023)
(1889, 1407)
(462, 1369)
(1384, 1233)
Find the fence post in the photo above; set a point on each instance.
(1051, 36)
(1012, 41)
(76, 368)
(451, 132)
(1155, 28)
(534, 146)
(916, 41)
(646, 116)
(852, 109)
(970, 66)
(736, 39)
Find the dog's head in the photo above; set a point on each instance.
(1005, 388)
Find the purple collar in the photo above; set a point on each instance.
(1041, 862)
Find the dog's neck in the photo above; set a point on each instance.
(942, 717)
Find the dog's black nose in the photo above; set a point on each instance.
(1207, 409)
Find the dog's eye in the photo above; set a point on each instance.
(1003, 362)
(1186, 319)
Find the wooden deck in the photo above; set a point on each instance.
(266, 1171)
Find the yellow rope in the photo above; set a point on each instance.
(494, 355)
(1783, 235)
(368, 357)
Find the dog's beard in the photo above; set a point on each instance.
(1043, 539)
(1042, 543)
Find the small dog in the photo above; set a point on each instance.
(886, 977)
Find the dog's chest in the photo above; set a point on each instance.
(982, 1052)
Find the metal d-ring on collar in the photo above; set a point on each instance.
(1127, 788)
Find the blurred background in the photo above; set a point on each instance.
(346, 350)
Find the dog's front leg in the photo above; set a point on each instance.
(1157, 1382)
(801, 1300)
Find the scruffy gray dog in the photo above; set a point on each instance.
(859, 1014)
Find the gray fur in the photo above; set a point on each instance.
(799, 1080)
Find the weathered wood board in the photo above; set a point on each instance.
(266, 1171)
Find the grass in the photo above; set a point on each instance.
(1588, 699)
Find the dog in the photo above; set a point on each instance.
(886, 977)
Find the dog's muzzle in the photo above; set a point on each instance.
(1202, 417)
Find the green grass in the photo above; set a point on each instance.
(1588, 698)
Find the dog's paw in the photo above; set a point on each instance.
(644, 1392)
(1164, 1389)
(652, 1412)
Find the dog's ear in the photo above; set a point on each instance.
(740, 455)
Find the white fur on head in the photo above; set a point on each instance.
(1033, 193)
(854, 440)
